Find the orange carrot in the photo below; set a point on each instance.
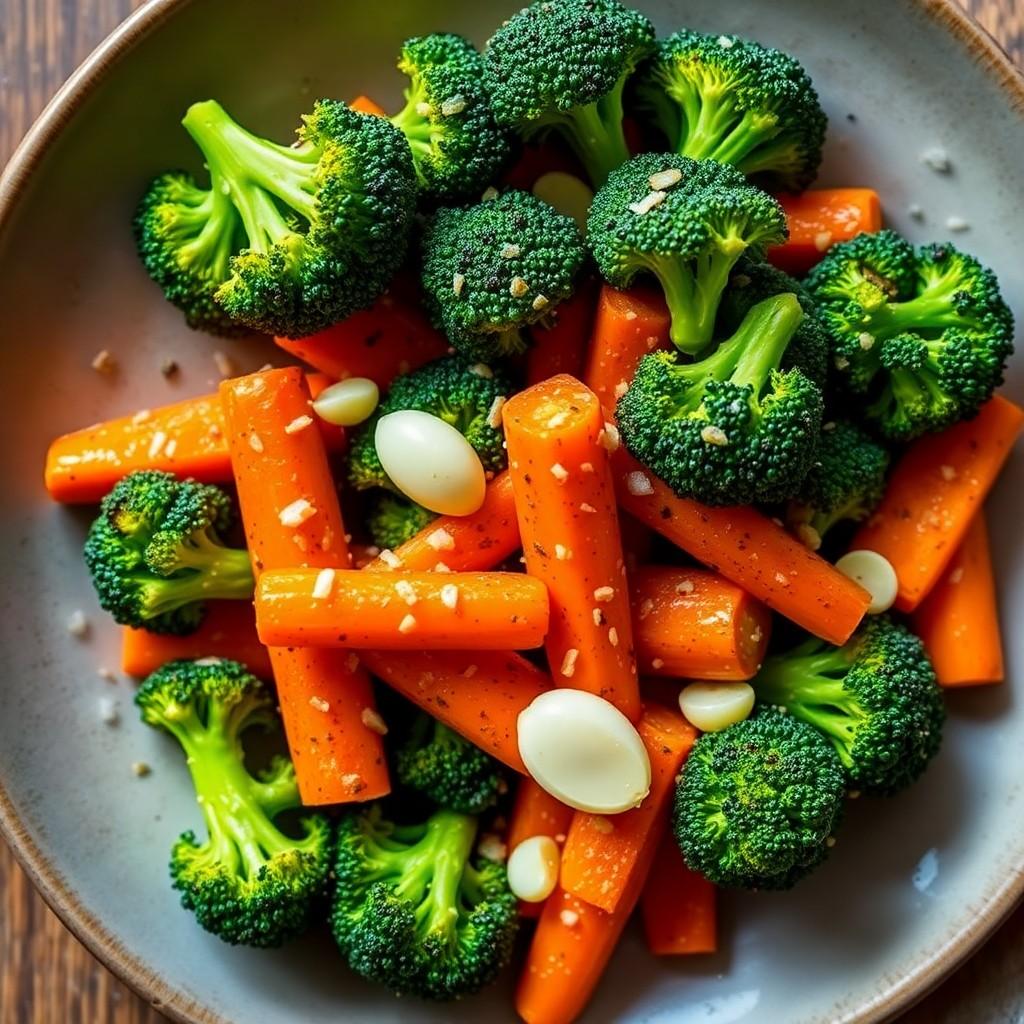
(390, 338)
(411, 611)
(678, 906)
(692, 624)
(750, 550)
(934, 492)
(536, 813)
(473, 543)
(572, 945)
(228, 631)
(569, 524)
(367, 106)
(819, 219)
(282, 477)
(186, 438)
(627, 326)
(601, 852)
(561, 348)
(959, 620)
(479, 694)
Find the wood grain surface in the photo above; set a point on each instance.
(46, 977)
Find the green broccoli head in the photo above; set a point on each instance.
(921, 336)
(457, 390)
(875, 699)
(457, 148)
(753, 281)
(733, 428)
(155, 553)
(447, 768)
(845, 482)
(686, 222)
(758, 802)
(562, 67)
(287, 239)
(393, 520)
(733, 100)
(492, 270)
(412, 909)
(249, 882)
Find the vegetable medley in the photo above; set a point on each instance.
(597, 395)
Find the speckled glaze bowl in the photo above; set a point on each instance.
(915, 883)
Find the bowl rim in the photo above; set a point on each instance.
(92, 933)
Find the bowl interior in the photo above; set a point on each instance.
(910, 881)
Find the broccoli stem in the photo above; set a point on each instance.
(934, 307)
(224, 572)
(594, 132)
(206, 231)
(255, 174)
(762, 338)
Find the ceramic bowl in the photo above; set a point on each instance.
(914, 884)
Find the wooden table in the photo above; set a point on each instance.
(46, 977)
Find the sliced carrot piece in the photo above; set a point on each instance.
(959, 620)
(569, 524)
(228, 631)
(411, 611)
(479, 694)
(562, 346)
(601, 852)
(679, 906)
(365, 105)
(291, 516)
(536, 813)
(820, 218)
(473, 543)
(186, 438)
(933, 494)
(390, 338)
(628, 324)
(693, 624)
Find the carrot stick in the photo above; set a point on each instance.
(628, 324)
(473, 543)
(413, 611)
(367, 106)
(228, 631)
(692, 624)
(186, 438)
(601, 852)
(750, 550)
(390, 338)
(281, 475)
(678, 906)
(934, 492)
(479, 694)
(536, 813)
(562, 347)
(959, 620)
(569, 524)
(819, 219)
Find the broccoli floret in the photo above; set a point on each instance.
(758, 802)
(155, 552)
(249, 883)
(287, 239)
(845, 482)
(393, 520)
(453, 388)
(414, 912)
(448, 769)
(753, 281)
(730, 99)
(457, 147)
(562, 67)
(492, 270)
(733, 428)
(686, 222)
(875, 699)
(921, 335)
